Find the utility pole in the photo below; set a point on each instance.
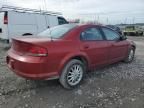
(45, 4)
(107, 20)
(95, 18)
(98, 19)
(133, 20)
(125, 21)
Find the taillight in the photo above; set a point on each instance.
(37, 51)
(5, 18)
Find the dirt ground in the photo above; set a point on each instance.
(119, 85)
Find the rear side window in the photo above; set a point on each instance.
(91, 34)
(110, 35)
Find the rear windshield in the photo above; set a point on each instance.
(57, 31)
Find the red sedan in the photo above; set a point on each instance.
(67, 52)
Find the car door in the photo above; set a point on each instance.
(94, 45)
(118, 48)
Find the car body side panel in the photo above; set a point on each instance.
(118, 50)
(97, 51)
(59, 53)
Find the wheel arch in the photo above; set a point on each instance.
(81, 57)
(133, 46)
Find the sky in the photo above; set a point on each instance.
(103, 11)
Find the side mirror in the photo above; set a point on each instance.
(123, 37)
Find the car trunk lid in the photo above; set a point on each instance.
(30, 45)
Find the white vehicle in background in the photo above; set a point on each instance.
(15, 21)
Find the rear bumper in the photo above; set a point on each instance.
(29, 67)
(36, 76)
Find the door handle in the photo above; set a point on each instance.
(86, 46)
(113, 44)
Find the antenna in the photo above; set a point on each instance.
(45, 4)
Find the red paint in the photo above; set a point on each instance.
(25, 60)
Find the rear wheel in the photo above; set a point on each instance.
(130, 56)
(72, 74)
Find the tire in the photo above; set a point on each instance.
(68, 74)
(137, 34)
(130, 55)
(141, 34)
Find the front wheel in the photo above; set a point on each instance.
(72, 74)
(130, 56)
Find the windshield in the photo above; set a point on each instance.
(57, 31)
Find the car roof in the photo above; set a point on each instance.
(79, 24)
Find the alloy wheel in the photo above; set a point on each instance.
(75, 74)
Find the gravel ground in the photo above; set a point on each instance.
(116, 86)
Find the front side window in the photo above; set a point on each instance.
(91, 34)
(110, 35)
